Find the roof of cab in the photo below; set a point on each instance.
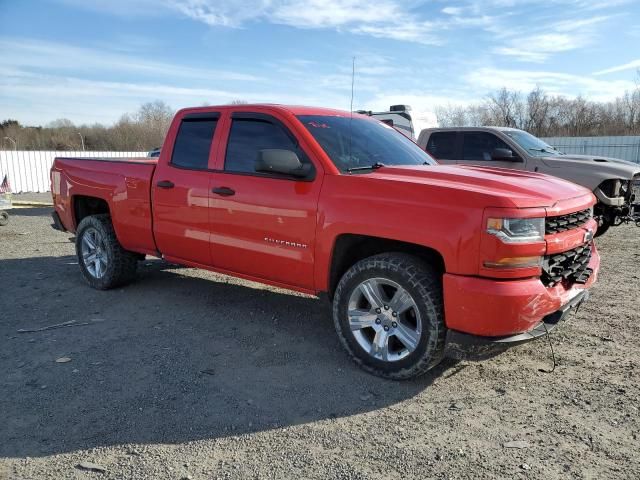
(294, 109)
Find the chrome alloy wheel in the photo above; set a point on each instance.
(384, 319)
(94, 254)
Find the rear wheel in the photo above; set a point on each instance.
(388, 313)
(4, 219)
(103, 261)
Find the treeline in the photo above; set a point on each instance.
(546, 115)
(140, 131)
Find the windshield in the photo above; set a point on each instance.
(353, 143)
(533, 145)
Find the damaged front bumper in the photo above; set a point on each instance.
(466, 346)
(484, 316)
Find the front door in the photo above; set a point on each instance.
(263, 225)
(477, 149)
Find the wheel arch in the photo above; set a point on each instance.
(350, 248)
(86, 205)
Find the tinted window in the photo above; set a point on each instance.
(442, 145)
(362, 142)
(193, 142)
(479, 145)
(248, 137)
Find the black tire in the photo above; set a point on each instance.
(121, 264)
(424, 284)
(4, 219)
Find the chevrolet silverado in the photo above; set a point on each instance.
(420, 260)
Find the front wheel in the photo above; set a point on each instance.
(4, 218)
(103, 261)
(388, 313)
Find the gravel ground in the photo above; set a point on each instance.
(189, 374)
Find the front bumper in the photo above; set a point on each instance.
(509, 311)
(464, 346)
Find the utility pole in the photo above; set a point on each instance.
(82, 140)
(15, 144)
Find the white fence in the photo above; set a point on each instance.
(28, 171)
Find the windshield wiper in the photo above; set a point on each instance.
(543, 150)
(374, 166)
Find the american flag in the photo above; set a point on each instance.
(5, 187)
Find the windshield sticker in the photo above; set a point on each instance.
(319, 125)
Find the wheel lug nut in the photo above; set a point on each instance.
(395, 314)
(378, 321)
(394, 324)
(386, 307)
(378, 310)
(386, 328)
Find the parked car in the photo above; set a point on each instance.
(615, 183)
(419, 260)
(398, 117)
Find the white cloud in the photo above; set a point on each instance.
(634, 64)
(382, 18)
(539, 43)
(487, 79)
(58, 56)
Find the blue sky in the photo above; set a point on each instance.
(91, 61)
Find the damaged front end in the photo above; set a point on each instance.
(618, 203)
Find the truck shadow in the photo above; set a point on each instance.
(181, 355)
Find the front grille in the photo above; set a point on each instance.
(566, 222)
(570, 266)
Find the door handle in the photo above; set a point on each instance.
(165, 184)
(224, 191)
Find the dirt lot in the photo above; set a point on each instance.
(188, 374)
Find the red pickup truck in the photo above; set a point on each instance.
(420, 260)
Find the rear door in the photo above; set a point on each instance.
(181, 190)
(443, 146)
(477, 148)
(263, 225)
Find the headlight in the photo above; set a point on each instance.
(516, 230)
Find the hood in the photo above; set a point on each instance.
(614, 167)
(506, 187)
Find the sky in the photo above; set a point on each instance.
(91, 61)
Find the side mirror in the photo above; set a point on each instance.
(285, 162)
(503, 154)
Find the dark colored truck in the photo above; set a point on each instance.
(419, 260)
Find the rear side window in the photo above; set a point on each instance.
(193, 143)
(248, 137)
(442, 145)
(479, 145)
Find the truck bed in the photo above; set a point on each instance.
(123, 183)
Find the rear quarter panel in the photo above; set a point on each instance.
(123, 184)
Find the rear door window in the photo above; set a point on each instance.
(193, 142)
(478, 146)
(442, 145)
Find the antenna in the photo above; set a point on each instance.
(353, 77)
